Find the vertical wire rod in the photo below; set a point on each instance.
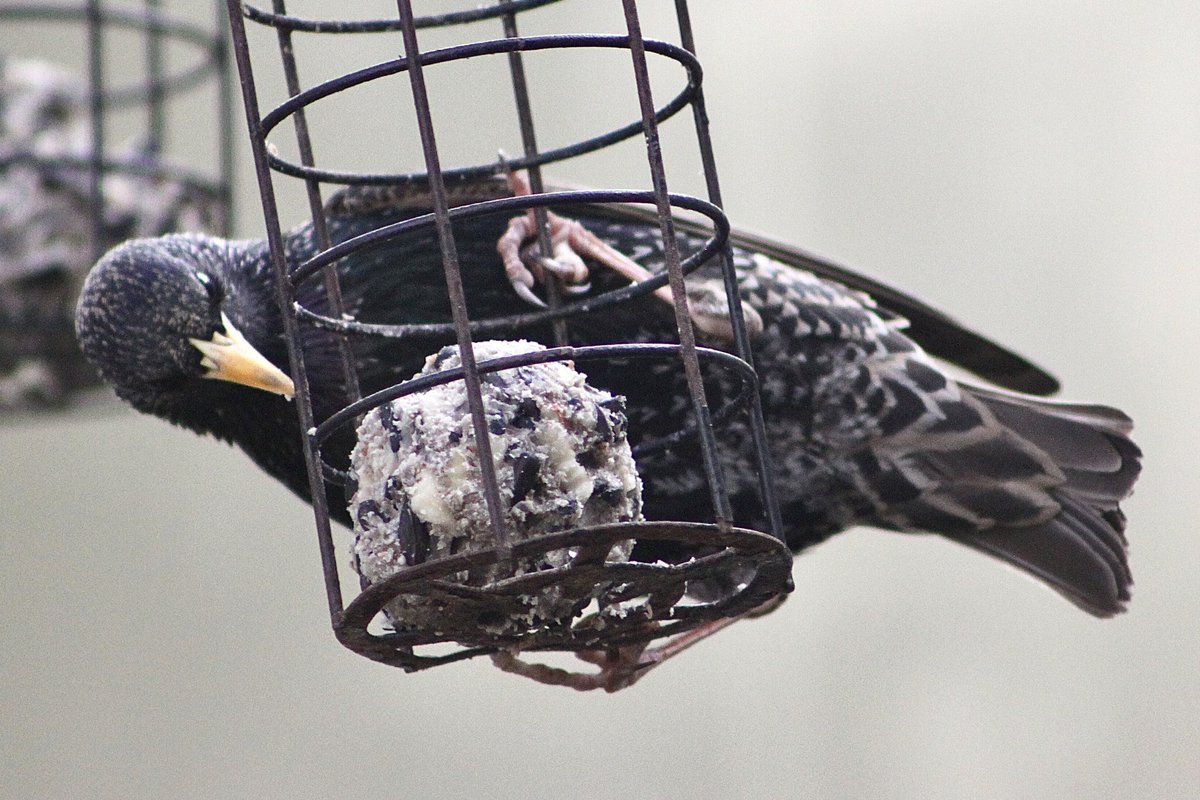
(95, 54)
(220, 59)
(516, 67)
(156, 117)
(758, 434)
(454, 285)
(333, 289)
(687, 336)
(266, 190)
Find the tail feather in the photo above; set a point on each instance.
(1090, 443)
(1102, 490)
(1081, 551)
(1089, 438)
(1032, 482)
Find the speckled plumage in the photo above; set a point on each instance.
(864, 427)
(45, 229)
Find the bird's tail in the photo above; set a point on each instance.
(1081, 550)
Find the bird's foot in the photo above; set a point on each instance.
(708, 307)
(525, 265)
(571, 243)
(621, 667)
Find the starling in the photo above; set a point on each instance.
(864, 426)
(562, 460)
(46, 229)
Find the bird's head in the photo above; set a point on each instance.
(157, 317)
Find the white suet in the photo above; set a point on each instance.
(562, 461)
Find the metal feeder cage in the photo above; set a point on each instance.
(99, 188)
(606, 633)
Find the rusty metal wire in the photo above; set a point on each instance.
(149, 90)
(716, 545)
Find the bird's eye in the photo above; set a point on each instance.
(215, 295)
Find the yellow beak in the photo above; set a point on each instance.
(229, 357)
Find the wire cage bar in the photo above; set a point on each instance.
(450, 194)
(107, 149)
(148, 90)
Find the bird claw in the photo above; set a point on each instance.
(525, 293)
(571, 242)
(527, 265)
(522, 278)
(573, 276)
(571, 271)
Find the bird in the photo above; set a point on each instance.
(865, 424)
(46, 214)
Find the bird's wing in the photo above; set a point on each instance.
(937, 332)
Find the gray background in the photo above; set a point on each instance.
(1031, 167)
